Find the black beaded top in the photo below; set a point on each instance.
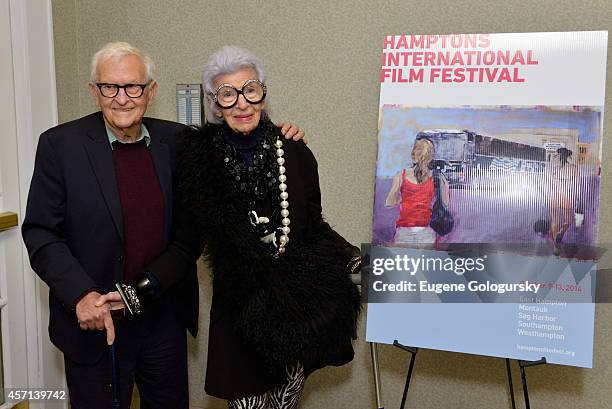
(250, 161)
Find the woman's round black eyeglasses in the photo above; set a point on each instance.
(226, 95)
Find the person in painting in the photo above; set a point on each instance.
(283, 301)
(563, 189)
(413, 190)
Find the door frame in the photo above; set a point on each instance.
(25, 319)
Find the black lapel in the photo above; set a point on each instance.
(161, 159)
(101, 159)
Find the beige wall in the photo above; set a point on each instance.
(322, 60)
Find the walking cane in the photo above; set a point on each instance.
(115, 404)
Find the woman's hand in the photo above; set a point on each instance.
(291, 131)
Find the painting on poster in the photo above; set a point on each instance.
(515, 125)
(502, 167)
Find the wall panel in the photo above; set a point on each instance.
(322, 60)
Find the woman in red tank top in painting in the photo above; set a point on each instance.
(413, 189)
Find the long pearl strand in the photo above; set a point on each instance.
(284, 204)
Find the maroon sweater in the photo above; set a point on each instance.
(142, 203)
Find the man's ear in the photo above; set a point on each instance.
(152, 90)
(93, 92)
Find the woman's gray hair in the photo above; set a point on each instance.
(228, 60)
(117, 51)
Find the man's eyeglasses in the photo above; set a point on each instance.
(131, 90)
(226, 95)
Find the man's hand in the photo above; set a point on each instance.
(92, 316)
(113, 299)
(292, 131)
(113, 302)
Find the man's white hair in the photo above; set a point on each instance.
(117, 51)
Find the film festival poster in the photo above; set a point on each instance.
(510, 127)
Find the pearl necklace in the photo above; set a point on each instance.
(284, 204)
(243, 176)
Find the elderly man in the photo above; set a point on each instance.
(99, 210)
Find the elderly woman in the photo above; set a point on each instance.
(413, 189)
(283, 301)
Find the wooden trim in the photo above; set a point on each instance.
(8, 220)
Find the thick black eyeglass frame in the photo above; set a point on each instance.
(238, 93)
(124, 87)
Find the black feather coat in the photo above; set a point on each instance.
(267, 312)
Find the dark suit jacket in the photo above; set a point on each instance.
(73, 227)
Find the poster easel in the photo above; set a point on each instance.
(413, 351)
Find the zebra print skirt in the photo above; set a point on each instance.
(285, 396)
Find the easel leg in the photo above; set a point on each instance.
(376, 369)
(523, 365)
(413, 351)
(525, 389)
(511, 388)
